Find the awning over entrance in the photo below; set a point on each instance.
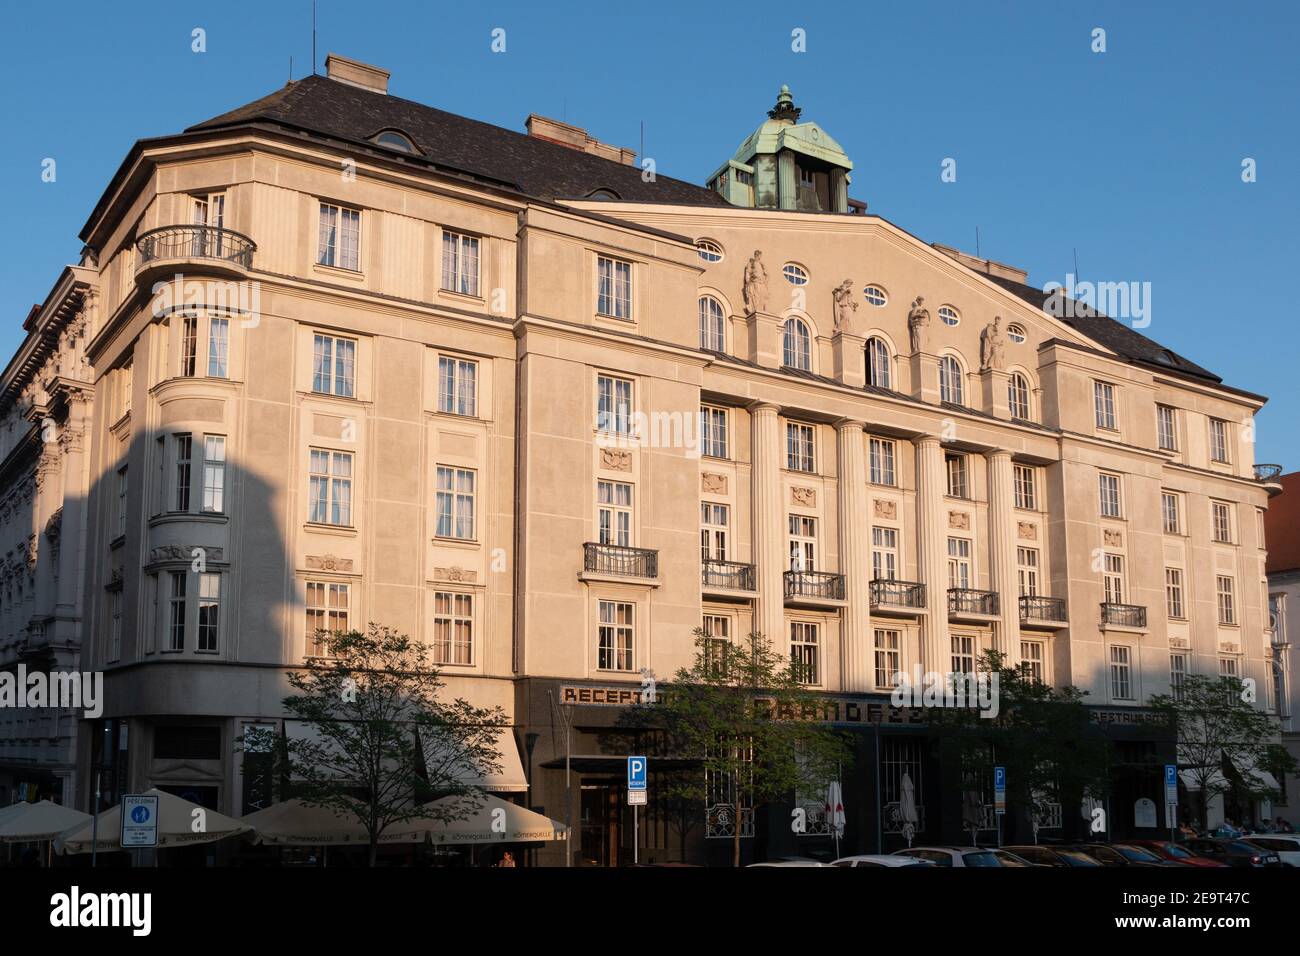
(37, 822)
(494, 821)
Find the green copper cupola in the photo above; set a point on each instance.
(786, 164)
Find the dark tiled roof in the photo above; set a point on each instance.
(1282, 527)
(1110, 333)
(458, 144)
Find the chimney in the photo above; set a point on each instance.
(575, 137)
(356, 73)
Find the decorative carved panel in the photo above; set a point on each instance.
(328, 562)
(1113, 539)
(959, 520)
(713, 483)
(804, 497)
(455, 574)
(614, 459)
(885, 509)
(1027, 530)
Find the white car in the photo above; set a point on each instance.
(953, 855)
(1285, 845)
(878, 859)
(789, 861)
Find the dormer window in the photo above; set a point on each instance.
(604, 194)
(392, 139)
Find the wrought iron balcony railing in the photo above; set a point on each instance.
(196, 242)
(1123, 615)
(814, 584)
(621, 560)
(732, 575)
(1268, 472)
(972, 601)
(1039, 608)
(887, 592)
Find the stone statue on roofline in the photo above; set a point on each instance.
(992, 345)
(844, 306)
(918, 322)
(755, 283)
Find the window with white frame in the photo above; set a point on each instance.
(328, 605)
(1221, 521)
(1177, 675)
(460, 263)
(951, 381)
(209, 212)
(880, 371)
(614, 512)
(1170, 512)
(1225, 592)
(339, 237)
(796, 345)
(613, 405)
(884, 553)
(457, 386)
(1016, 333)
(794, 273)
(713, 432)
(1027, 571)
(122, 476)
(1174, 593)
(189, 344)
(889, 657)
(948, 315)
(330, 487)
(334, 365)
(799, 447)
(875, 295)
(218, 347)
(114, 651)
(455, 502)
(1230, 675)
(209, 619)
(1103, 399)
(1032, 660)
(715, 520)
(881, 456)
(453, 628)
(959, 564)
(1018, 397)
(709, 250)
(615, 636)
(963, 653)
(803, 543)
(804, 657)
(713, 334)
(614, 295)
(717, 634)
(1219, 441)
(1121, 673)
(1167, 427)
(176, 611)
(214, 473)
(1108, 490)
(1026, 487)
(1112, 578)
(182, 452)
(955, 465)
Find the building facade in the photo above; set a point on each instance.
(1283, 568)
(550, 413)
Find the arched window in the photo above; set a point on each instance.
(951, 389)
(394, 140)
(948, 315)
(798, 347)
(795, 274)
(712, 325)
(879, 370)
(875, 295)
(1016, 332)
(1018, 396)
(709, 250)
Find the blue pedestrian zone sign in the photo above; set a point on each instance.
(636, 773)
(139, 820)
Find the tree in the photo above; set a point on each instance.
(383, 740)
(1219, 728)
(1040, 734)
(755, 730)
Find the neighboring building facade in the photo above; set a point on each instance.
(46, 408)
(549, 415)
(1282, 529)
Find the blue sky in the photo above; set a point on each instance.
(1132, 156)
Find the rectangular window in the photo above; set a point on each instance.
(613, 405)
(882, 461)
(1031, 657)
(803, 652)
(209, 612)
(214, 473)
(1108, 487)
(714, 521)
(1177, 674)
(455, 503)
(460, 263)
(889, 659)
(339, 237)
(114, 652)
(121, 499)
(963, 654)
(956, 469)
(1167, 427)
(717, 634)
(959, 568)
(1170, 512)
(1174, 593)
(183, 447)
(799, 447)
(884, 553)
(1027, 571)
(334, 363)
(1221, 515)
(218, 347)
(1224, 589)
(327, 613)
(614, 512)
(803, 543)
(713, 432)
(614, 652)
(453, 628)
(1219, 440)
(1112, 578)
(1228, 673)
(189, 344)
(457, 386)
(1103, 396)
(176, 612)
(1121, 674)
(1026, 488)
(614, 297)
(330, 493)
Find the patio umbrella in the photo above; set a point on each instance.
(38, 822)
(294, 823)
(907, 807)
(835, 812)
(176, 821)
(493, 821)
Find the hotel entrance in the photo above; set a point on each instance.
(600, 816)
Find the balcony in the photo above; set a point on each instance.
(619, 561)
(1039, 611)
(818, 587)
(726, 576)
(1270, 476)
(969, 602)
(897, 597)
(1123, 615)
(203, 248)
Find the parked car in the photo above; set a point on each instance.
(1239, 853)
(877, 859)
(1285, 845)
(1177, 852)
(1121, 854)
(791, 861)
(1009, 858)
(1053, 856)
(953, 855)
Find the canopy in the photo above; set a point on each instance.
(294, 823)
(33, 822)
(176, 823)
(494, 821)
